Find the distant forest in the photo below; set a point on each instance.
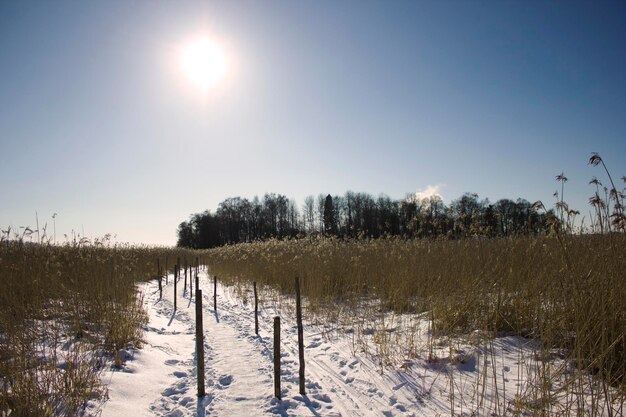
(360, 215)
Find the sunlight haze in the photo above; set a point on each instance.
(204, 62)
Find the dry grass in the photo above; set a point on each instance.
(63, 308)
(567, 292)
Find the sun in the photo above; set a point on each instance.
(204, 63)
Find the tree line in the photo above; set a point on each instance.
(356, 215)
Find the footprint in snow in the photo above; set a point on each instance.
(322, 397)
(308, 402)
(313, 385)
(186, 401)
(225, 380)
(400, 407)
(179, 388)
(317, 342)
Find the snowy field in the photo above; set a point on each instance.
(455, 378)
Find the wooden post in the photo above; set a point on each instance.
(256, 310)
(300, 336)
(199, 343)
(190, 283)
(185, 275)
(277, 393)
(160, 285)
(197, 271)
(215, 293)
(175, 276)
(159, 277)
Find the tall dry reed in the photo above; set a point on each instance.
(567, 292)
(62, 310)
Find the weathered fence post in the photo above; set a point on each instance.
(199, 343)
(190, 283)
(215, 293)
(160, 277)
(300, 335)
(185, 287)
(160, 284)
(256, 309)
(277, 393)
(175, 276)
(197, 272)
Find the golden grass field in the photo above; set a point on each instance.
(568, 292)
(66, 307)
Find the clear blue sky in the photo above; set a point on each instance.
(98, 124)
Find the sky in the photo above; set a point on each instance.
(100, 125)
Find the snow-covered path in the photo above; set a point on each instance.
(238, 373)
(241, 366)
(161, 378)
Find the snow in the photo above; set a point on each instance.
(341, 378)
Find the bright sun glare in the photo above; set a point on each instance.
(204, 63)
